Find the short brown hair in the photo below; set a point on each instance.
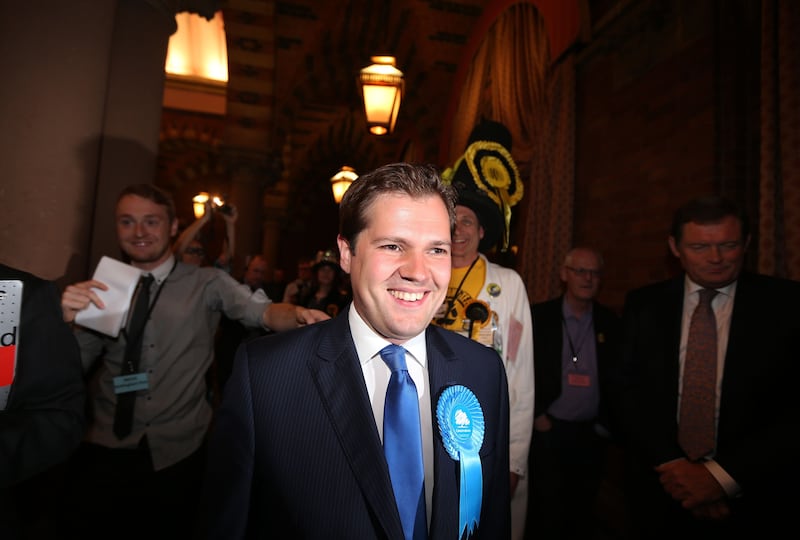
(153, 193)
(416, 181)
(707, 210)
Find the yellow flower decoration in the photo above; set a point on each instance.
(497, 169)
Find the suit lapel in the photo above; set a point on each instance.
(743, 308)
(673, 312)
(340, 382)
(442, 363)
(735, 375)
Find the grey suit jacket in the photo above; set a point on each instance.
(296, 453)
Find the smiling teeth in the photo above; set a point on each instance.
(407, 296)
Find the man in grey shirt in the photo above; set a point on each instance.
(154, 470)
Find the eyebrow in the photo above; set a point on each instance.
(144, 216)
(405, 242)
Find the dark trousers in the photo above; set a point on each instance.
(115, 493)
(31, 510)
(566, 467)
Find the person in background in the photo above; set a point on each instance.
(232, 333)
(575, 341)
(326, 290)
(190, 250)
(296, 288)
(276, 286)
(259, 275)
(486, 301)
(710, 458)
(195, 253)
(255, 273)
(301, 447)
(42, 403)
(145, 447)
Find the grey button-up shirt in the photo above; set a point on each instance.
(177, 350)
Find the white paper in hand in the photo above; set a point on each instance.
(121, 280)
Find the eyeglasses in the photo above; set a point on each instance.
(195, 251)
(583, 272)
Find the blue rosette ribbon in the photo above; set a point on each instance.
(462, 427)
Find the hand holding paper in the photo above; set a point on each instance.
(121, 280)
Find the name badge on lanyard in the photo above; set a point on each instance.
(10, 313)
(130, 383)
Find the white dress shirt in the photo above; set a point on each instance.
(376, 377)
(722, 304)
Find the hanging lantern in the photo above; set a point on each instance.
(199, 204)
(382, 88)
(341, 182)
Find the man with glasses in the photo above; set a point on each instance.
(189, 248)
(488, 302)
(574, 343)
(194, 254)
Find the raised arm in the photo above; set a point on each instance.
(225, 259)
(190, 232)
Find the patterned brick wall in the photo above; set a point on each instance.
(645, 137)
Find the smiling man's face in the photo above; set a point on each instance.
(467, 237)
(144, 231)
(400, 268)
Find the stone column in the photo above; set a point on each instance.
(249, 134)
(81, 106)
(246, 169)
(55, 59)
(132, 119)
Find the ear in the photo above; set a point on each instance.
(747, 242)
(563, 273)
(673, 247)
(173, 229)
(344, 253)
(481, 232)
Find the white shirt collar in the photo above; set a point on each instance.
(163, 270)
(369, 344)
(692, 287)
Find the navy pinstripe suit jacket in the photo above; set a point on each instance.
(295, 452)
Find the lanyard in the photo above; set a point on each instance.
(153, 303)
(580, 339)
(445, 320)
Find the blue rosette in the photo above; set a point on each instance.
(462, 427)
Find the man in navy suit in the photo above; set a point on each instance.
(742, 487)
(297, 449)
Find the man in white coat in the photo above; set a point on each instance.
(488, 302)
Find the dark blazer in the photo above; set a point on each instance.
(43, 421)
(295, 452)
(548, 335)
(759, 417)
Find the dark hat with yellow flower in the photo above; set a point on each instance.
(487, 181)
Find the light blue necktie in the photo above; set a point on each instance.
(402, 444)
